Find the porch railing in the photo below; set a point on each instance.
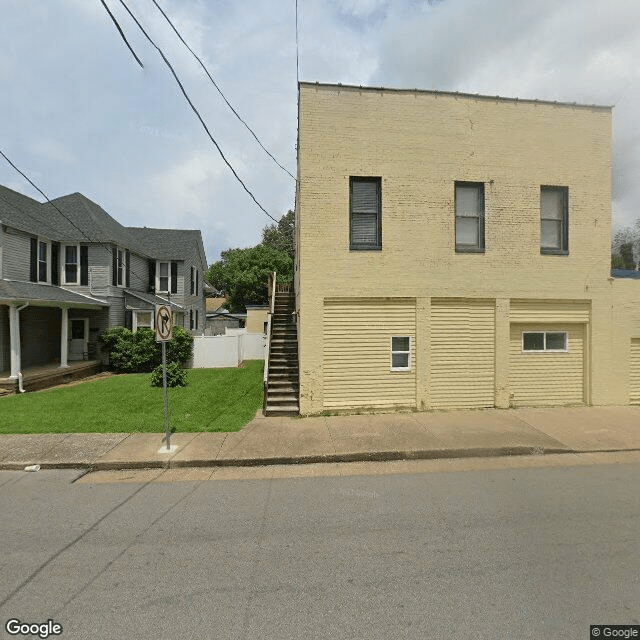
(272, 301)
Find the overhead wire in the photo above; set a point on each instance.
(104, 4)
(215, 84)
(202, 122)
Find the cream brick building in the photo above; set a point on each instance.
(454, 251)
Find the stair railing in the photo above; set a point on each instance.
(272, 301)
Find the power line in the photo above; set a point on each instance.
(220, 90)
(202, 122)
(121, 33)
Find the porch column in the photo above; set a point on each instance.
(64, 335)
(14, 339)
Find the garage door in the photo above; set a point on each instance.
(541, 373)
(462, 354)
(634, 371)
(357, 353)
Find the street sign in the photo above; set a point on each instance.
(164, 323)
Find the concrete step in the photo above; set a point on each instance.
(285, 410)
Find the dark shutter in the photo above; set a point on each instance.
(128, 273)
(84, 266)
(174, 277)
(128, 319)
(55, 263)
(152, 276)
(33, 266)
(191, 319)
(197, 278)
(192, 280)
(114, 267)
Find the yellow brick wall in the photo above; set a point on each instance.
(420, 144)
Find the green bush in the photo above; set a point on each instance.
(176, 376)
(140, 353)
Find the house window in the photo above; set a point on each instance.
(142, 319)
(71, 258)
(400, 353)
(163, 277)
(365, 213)
(554, 217)
(43, 261)
(194, 281)
(122, 266)
(469, 206)
(544, 341)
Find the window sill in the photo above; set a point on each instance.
(553, 252)
(462, 249)
(364, 247)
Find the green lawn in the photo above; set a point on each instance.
(213, 400)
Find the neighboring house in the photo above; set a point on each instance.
(454, 251)
(219, 321)
(71, 271)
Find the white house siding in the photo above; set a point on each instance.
(357, 353)
(116, 311)
(17, 252)
(462, 371)
(547, 378)
(138, 272)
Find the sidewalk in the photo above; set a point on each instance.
(391, 436)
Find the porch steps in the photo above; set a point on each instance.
(282, 378)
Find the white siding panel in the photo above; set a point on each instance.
(357, 352)
(634, 372)
(547, 378)
(462, 354)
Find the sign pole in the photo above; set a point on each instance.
(167, 430)
(164, 333)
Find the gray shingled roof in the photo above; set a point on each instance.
(75, 218)
(167, 243)
(150, 299)
(12, 290)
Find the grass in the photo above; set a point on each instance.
(213, 400)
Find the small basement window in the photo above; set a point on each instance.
(400, 353)
(544, 341)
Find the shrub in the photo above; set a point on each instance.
(140, 353)
(176, 375)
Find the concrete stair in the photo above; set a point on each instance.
(282, 377)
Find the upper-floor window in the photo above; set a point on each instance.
(469, 206)
(194, 281)
(120, 267)
(71, 262)
(554, 220)
(43, 261)
(365, 213)
(166, 277)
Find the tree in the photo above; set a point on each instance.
(243, 274)
(281, 236)
(625, 247)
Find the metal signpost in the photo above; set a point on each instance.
(164, 333)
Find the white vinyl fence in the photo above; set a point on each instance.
(229, 350)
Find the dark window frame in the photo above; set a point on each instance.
(563, 250)
(362, 246)
(480, 247)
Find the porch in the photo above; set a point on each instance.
(48, 375)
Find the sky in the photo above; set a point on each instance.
(77, 113)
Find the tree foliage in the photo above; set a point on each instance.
(625, 247)
(281, 236)
(243, 274)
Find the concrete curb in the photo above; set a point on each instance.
(375, 456)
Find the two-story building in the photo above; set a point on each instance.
(68, 271)
(454, 251)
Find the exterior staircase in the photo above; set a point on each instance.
(281, 388)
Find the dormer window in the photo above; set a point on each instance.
(166, 277)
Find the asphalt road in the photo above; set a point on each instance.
(487, 553)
